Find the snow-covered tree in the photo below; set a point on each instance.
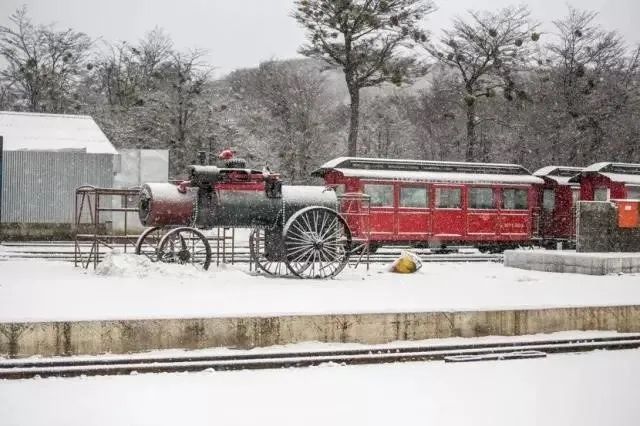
(486, 51)
(43, 64)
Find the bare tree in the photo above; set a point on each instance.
(43, 64)
(175, 115)
(593, 79)
(486, 52)
(368, 39)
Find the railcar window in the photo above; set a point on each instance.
(633, 192)
(601, 194)
(481, 198)
(515, 199)
(548, 200)
(381, 195)
(448, 198)
(414, 197)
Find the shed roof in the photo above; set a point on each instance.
(52, 132)
(617, 172)
(559, 174)
(419, 170)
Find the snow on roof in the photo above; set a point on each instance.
(616, 177)
(595, 167)
(428, 171)
(406, 175)
(617, 172)
(343, 161)
(52, 132)
(560, 174)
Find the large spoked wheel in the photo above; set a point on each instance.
(185, 246)
(259, 256)
(148, 241)
(317, 242)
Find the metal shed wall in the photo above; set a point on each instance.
(39, 186)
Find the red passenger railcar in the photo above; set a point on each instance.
(557, 199)
(609, 181)
(441, 203)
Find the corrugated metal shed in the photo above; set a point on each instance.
(39, 187)
(46, 157)
(52, 132)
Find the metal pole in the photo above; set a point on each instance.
(1, 148)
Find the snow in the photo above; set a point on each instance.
(617, 177)
(574, 254)
(630, 178)
(441, 176)
(547, 171)
(598, 388)
(337, 161)
(130, 287)
(430, 176)
(52, 132)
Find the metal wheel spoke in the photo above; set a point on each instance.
(185, 246)
(257, 250)
(316, 241)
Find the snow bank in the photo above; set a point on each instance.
(119, 264)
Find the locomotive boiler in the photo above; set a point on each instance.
(295, 229)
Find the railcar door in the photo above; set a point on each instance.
(547, 219)
(482, 213)
(414, 215)
(515, 214)
(382, 217)
(448, 213)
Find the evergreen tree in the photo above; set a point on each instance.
(368, 39)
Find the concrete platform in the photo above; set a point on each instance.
(573, 262)
(127, 336)
(132, 305)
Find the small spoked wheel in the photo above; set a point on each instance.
(264, 261)
(185, 246)
(148, 241)
(317, 242)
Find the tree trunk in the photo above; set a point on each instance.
(471, 132)
(352, 147)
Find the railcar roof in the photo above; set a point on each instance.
(560, 174)
(617, 172)
(419, 170)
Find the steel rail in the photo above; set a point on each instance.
(18, 369)
(242, 255)
(246, 259)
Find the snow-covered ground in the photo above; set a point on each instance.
(130, 287)
(598, 388)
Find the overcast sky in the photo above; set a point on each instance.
(241, 33)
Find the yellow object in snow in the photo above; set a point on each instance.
(407, 263)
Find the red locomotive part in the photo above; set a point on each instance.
(162, 204)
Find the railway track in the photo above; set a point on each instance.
(64, 251)
(21, 369)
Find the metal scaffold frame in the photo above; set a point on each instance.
(97, 232)
(355, 207)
